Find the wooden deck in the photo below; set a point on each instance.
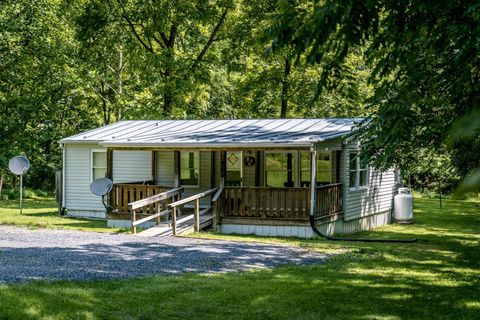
(287, 204)
(255, 205)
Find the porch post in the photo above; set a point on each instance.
(176, 168)
(212, 170)
(313, 179)
(109, 164)
(176, 184)
(109, 175)
(223, 167)
(154, 167)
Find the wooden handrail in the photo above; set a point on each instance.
(197, 211)
(328, 186)
(218, 206)
(153, 216)
(156, 198)
(217, 194)
(155, 205)
(192, 198)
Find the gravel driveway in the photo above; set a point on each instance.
(74, 255)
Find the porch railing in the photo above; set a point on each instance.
(196, 213)
(154, 207)
(267, 202)
(124, 193)
(328, 200)
(280, 203)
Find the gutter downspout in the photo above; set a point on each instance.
(313, 177)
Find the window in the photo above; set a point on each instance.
(189, 167)
(279, 169)
(234, 168)
(99, 164)
(358, 170)
(324, 168)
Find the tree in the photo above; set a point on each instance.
(39, 100)
(178, 37)
(424, 58)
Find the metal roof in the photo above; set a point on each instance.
(211, 133)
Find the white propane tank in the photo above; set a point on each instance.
(403, 206)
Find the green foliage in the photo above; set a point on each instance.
(424, 60)
(13, 194)
(68, 67)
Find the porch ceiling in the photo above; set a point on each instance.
(217, 133)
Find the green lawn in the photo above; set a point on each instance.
(436, 278)
(43, 213)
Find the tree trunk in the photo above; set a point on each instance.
(285, 83)
(1, 185)
(121, 65)
(168, 92)
(167, 98)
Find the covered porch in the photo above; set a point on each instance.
(215, 186)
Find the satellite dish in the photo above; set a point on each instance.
(101, 187)
(19, 165)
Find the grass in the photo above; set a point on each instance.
(43, 213)
(436, 278)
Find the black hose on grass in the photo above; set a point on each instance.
(314, 228)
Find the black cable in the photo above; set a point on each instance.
(314, 228)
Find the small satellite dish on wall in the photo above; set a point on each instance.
(101, 187)
(19, 165)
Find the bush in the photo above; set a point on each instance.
(13, 194)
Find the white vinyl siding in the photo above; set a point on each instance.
(376, 197)
(132, 166)
(165, 168)
(78, 175)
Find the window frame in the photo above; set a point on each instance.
(309, 170)
(357, 170)
(92, 151)
(199, 175)
(294, 167)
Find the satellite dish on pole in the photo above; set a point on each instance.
(101, 187)
(19, 165)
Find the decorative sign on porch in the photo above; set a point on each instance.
(249, 161)
(232, 158)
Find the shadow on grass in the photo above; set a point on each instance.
(346, 288)
(436, 278)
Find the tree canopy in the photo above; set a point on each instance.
(411, 67)
(424, 60)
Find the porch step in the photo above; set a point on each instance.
(184, 226)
